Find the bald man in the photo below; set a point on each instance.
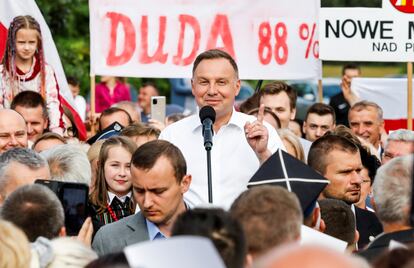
(13, 130)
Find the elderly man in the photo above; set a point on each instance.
(216, 83)
(32, 107)
(18, 167)
(365, 121)
(13, 130)
(159, 181)
(68, 163)
(399, 143)
(339, 160)
(392, 194)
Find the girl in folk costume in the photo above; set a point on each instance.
(111, 198)
(24, 68)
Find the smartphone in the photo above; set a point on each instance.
(158, 104)
(74, 199)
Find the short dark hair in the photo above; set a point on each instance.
(223, 230)
(113, 110)
(151, 84)
(137, 129)
(318, 153)
(73, 81)
(350, 66)
(147, 155)
(321, 109)
(216, 54)
(36, 210)
(30, 99)
(339, 219)
(277, 87)
(270, 216)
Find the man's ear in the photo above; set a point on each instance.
(293, 114)
(62, 232)
(185, 183)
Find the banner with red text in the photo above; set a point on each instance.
(270, 39)
(389, 93)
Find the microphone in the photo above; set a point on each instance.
(207, 118)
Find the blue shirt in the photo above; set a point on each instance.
(153, 231)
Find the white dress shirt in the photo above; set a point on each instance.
(233, 161)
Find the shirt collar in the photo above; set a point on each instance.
(153, 231)
(236, 119)
(111, 197)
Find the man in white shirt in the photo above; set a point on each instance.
(240, 142)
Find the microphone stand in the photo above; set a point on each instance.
(209, 181)
(208, 144)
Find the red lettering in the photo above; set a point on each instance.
(221, 27)
(159, 55)
(117, 20)
(265, 48)
(193, 23)
(281, 36)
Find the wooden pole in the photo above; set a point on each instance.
(93, 130)
(410, 96)
(320, 91)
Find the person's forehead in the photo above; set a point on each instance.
(352, 72)
(160, 175)
(25, 174)
(30, 111)
(280, 99)
(399, 145)
(11, 122)
(370, 112)
(208, 67)
(316, 118)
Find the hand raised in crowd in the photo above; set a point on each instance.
(156, 124)
(346, 89)
(257, 136)
(85, 233)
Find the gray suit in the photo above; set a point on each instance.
(115, 236)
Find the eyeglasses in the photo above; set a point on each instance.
(70, 132)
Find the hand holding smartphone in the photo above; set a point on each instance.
(158, 104)
(74, 199)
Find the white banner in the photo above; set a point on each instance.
(270, 39)
(368, 34)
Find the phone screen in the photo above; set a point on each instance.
(74, 201)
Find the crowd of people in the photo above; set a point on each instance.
(338, 173)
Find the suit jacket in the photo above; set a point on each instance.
(115, 236)
(341, 107)
(381, 243)
(367, 225)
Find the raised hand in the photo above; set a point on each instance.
(257, 136)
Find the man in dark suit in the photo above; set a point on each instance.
(159, 181)
(392, 193)
(339, 160)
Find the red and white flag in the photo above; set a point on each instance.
(12, 8)
(389, 93)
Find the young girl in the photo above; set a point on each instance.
(24, 68)
(111, 198)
